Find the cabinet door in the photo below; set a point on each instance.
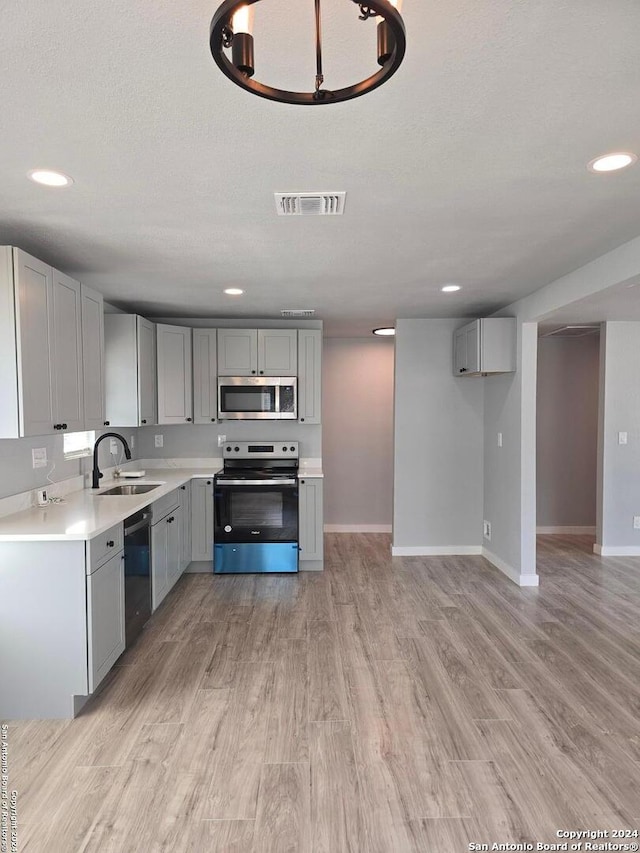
(67, 345)
(159, 562)
(277, 352)
(147, 397)
(311, 519)
(185, 526)
(105, 618)
(175, 404)
(472, 334)
(202, 519)
(310, 376)
(36, 352)
(237, 352)
(460, 351)
(205, 372)
(93, 358)
(174, 546)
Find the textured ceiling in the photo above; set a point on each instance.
(468, 166)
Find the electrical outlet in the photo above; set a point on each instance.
(622, 438)
(486, 530)
(159, 441)
(636, 522)
(113, 446)
(39, 457)
(132, 442)
(499, 439)
(221, 440)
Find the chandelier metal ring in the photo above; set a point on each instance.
(394, 39)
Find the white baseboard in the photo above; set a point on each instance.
(357, 528)
(435, 550)
(509, 571)
(616, 551)
(574, 530)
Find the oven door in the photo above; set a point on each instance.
(257, 398)
(258, 511)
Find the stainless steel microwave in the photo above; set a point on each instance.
(257, 398)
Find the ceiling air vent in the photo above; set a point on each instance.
(310, 204)
(298, 312)
(573, 331)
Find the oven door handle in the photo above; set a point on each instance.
(284, 482)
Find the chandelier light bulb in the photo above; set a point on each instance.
(242, 20)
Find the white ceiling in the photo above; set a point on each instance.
(468, 166)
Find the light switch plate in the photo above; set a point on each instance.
(499, 439)
(636, 522)
(622, 438)
(221, 440)
(39, 457)
(486, 530)
(113, 446)
(132, 442)
(159, 441)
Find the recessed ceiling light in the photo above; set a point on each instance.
(50, 179)
(450, 288)
(234, 291)
(612, 162)
(385, 332)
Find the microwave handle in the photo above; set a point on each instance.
(277, 389)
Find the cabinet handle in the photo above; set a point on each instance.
(56, 426)
(253, 371)
(261, 372)
(302, 481)
(463, 370)
(208, 482)
(63, 426)
(301, 420)
(143, 421)
(183, 488)
(213, 420)
(110, 543)
(107, 423)
(187, 419)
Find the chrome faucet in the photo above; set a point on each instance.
(96, 471)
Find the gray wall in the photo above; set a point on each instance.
(438, 442)
(567, 431)
(196, 441)
(357, 422)
(619, 475)
(16, 471)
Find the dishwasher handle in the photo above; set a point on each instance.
(138, 524)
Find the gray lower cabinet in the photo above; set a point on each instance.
(202, 519)
(166, 545)
(311, 520)
(310, 376)
(185, 525)
(105, 618)
(66, 616)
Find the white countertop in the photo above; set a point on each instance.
(87, 513)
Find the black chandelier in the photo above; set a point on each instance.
(231, 29)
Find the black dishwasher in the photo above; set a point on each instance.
(137, 573)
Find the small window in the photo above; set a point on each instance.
(78, 444)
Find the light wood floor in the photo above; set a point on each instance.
(413, 704)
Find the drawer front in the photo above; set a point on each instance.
(104, 546)
(164, 505)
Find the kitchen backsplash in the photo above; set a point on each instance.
(202, 440)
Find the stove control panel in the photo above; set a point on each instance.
(261, 450)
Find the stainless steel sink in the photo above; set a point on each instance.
(132, 489)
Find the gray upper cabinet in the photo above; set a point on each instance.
(310, 376)
(130, 370)
(257, 352)
(237, 352)
(205, 371)
(41, 388)
(93, 358)
(68, 391)
(277, 352)
(175, 400)
(485, 346)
